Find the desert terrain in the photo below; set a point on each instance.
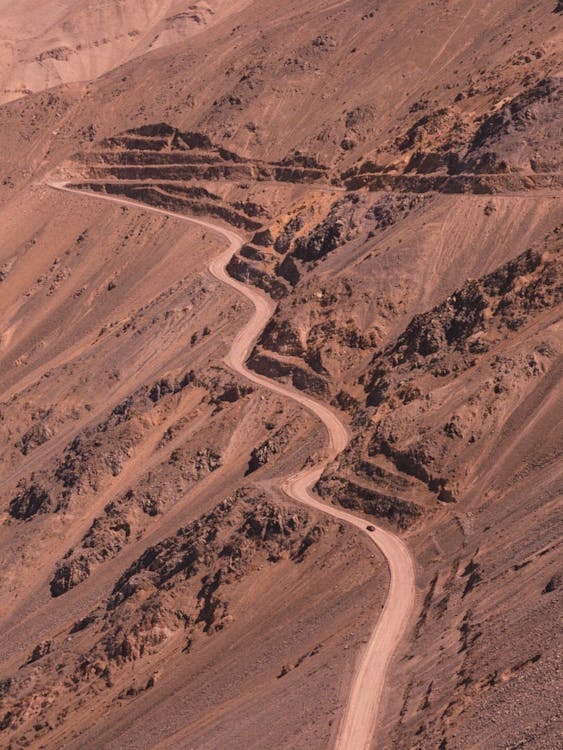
(280, 375)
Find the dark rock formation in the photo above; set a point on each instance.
(326, 237)
(68, 574)
(351, 495)
(271, 447)
(31, 499)
(41, 650)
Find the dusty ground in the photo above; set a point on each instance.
(396, 171)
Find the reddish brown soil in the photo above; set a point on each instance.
(395, 169)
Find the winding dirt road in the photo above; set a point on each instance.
(358, 724)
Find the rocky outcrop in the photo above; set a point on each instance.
(282, 337)
(38, 434)
(176, 593)
(126, 518)
(220, 546)
(402, 513)
(289, 270)
(517, 135)
(392, 207)
(301, 378)
(414, 461)
(248, 272)
(478, 184)
(266, 451)
(427, 128)
(177, 198)
(283, 241)
(69, 573)
(514, 146)
(41, 650)
(160, 152)
(324, 239)
(471, 319)
(263, 238)
(31, 499)
(100, 452)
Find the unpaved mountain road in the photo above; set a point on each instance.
(358, 723)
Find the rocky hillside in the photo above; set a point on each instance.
(394, 171)
(76, 41)
(176, 593)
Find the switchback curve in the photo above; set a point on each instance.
(358, 723)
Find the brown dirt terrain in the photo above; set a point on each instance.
(75, 40)
(395, 171)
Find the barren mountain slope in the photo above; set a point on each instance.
(395, 170)
(46, 44)
(121, 425)
(344, 82)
